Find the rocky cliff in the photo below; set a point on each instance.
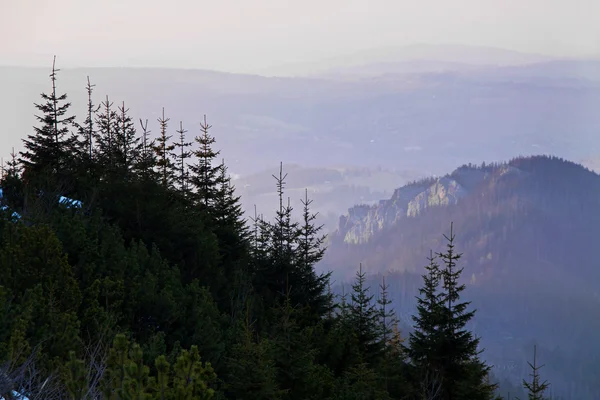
(363, 221)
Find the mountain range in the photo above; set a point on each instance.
(427, 109)
(527, 229)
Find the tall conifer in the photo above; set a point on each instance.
(51, 146)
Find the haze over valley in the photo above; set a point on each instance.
(335, 201)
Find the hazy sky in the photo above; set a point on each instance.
(247, 35)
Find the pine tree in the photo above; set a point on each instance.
(52, 145)
(77, 384)
(163, 150)
(535, 388)
(191, 378)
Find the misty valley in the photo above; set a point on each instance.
(408, 230)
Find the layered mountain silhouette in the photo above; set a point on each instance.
(528, 230)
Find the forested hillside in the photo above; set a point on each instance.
(148, 284)
(526, 228)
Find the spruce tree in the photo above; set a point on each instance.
(465, 375)
(535, 389)
(87, 130)
(387, 336)
(52, 145)
(387, 316)
(424, 343)
(146, 162)
(252, 371)
(228, 212)
(365, 320)
(205, 176)
(277, 256)
(181, 155)
(163, 150)
(127, 143)
(106, 122)
(310, 246)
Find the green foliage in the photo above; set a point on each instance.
(51, 147)
(159, 268)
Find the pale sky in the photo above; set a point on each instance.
(248, 35)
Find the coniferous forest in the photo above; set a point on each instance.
(128, 271)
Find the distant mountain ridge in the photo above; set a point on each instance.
(448, 54)
(363, 221)
(527, 230)
(540, 211)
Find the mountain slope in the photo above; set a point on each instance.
(549, 204)
(528, 230)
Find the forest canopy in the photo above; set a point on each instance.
(151, 284)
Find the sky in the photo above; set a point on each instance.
(249, 35)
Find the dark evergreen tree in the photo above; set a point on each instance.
(464, 374)
(424, 344)
(106, 122)
(52, 146)
(387, 316)
(146, 162)
(87, 131)
(205, 176)
(127, 143)
(163, 151)
(389, 340)
(181, 156)
(365, 320)
(11, 183)
(310, 248)
(536, 388)
(295, 356)
(253, 374)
